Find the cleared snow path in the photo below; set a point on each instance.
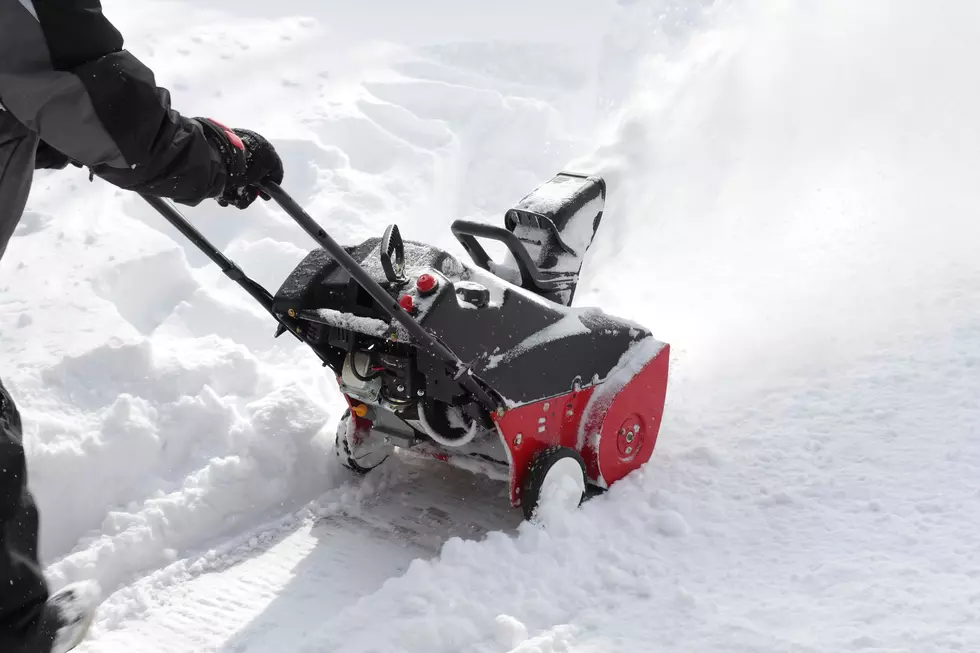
(272, 590)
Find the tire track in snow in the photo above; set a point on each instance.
(265, 590)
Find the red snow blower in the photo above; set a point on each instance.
(483, 365)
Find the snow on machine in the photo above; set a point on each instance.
(481, 364)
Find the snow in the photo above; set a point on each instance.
(579, 233)
(365, 325)
(76, 607)
(791, 205)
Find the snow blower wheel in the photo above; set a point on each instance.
(363, 463)
(555, 480)
(481, 364)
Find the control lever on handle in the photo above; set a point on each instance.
(379, 294)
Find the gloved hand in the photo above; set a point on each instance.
(249, 158)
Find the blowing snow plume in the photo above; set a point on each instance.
(796, 183)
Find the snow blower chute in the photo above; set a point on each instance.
(483, 365)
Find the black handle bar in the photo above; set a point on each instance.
(467, 232)
(174, 217)
(265, 299)
(380, 295)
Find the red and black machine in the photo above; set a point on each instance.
(482, 364)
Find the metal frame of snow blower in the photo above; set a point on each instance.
(460, 370)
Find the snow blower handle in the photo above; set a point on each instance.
(232, 271)
(386, 301)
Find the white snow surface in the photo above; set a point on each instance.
(792, 205)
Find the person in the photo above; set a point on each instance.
(71, 94)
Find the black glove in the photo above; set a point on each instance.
(249, 159)
(48, 158)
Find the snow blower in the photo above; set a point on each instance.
(484, 364)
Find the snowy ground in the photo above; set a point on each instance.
(792, 207)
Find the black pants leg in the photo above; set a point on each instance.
(24, 624)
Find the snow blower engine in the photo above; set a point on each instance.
(481, 364)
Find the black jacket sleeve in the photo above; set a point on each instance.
(65, 75)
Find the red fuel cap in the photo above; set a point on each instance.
(406, 303)
(426, 283)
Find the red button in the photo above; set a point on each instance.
(426, 283)
(407, 303)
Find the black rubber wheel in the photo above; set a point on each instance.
(537, 474)
(343, 449)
